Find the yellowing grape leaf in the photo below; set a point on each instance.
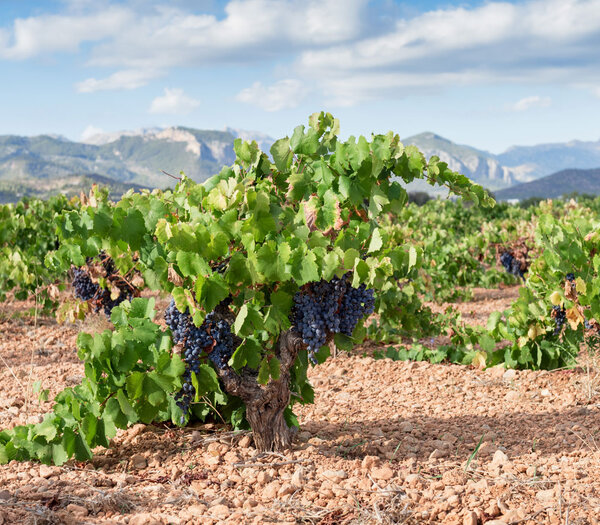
(138, 281)
(534, 331)
(174, 277)
(574, 317)
(555, 298)
(570, 292)
(53, 291)
(310, 214)
(114, 292)
(479, 360)
(580, 285)
(92, 196)
(96, 271)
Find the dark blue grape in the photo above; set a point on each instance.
(85, 289)
(570, 277)
(106, 303)
(212, 340)
(328, 307)
(511, 265)
(560, 316)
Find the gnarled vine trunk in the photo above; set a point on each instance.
(265, 404)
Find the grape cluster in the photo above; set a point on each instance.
(87, 290)
(213, 339)
(83, 286)
(570, 277)
(328, 307)
(106, 303)
(221, 352)
(178, 322)
(357, 303)
(511, 265)
(560, 316)
(108, 264)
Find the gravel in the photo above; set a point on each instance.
(385, 442)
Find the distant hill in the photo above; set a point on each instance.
(34, 165)
(70, 185)
(480, 166)
(126, 157)
(518, 164)
(546, 159)
(555, 185)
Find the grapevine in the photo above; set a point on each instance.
(256, 260)
(27, 235)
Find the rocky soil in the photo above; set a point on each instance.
(385, 442)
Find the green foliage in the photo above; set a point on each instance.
(270, 227)
(130, 374)
(453, 242)
(261, 230)
(27, 234)
(567, 238)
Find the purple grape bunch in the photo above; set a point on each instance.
(213, 339)
(329, 307)
(85, 289)
(560, 317)
(83, 286)
(512, 265)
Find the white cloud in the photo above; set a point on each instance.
(90, 131)
(251, 30)
(334, 41)
(144, 36)
(127, 79)
(284, 94)
(530, 102)
(47, 34)
(174, 101)
(525, 43)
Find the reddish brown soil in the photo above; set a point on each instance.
(385, 442)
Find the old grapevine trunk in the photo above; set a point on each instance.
(265, 405)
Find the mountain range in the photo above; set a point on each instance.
(555, 185)
(47, 164)
(518, 164)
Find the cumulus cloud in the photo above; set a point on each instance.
(284, 94)
(145, 36)
(42, 35)
(90, 131)
(127, 79)
(530, 102)
(332, 41)
(530, 42)
(175, 102)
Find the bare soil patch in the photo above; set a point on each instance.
(385, 442)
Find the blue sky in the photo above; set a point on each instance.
(484, 73)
